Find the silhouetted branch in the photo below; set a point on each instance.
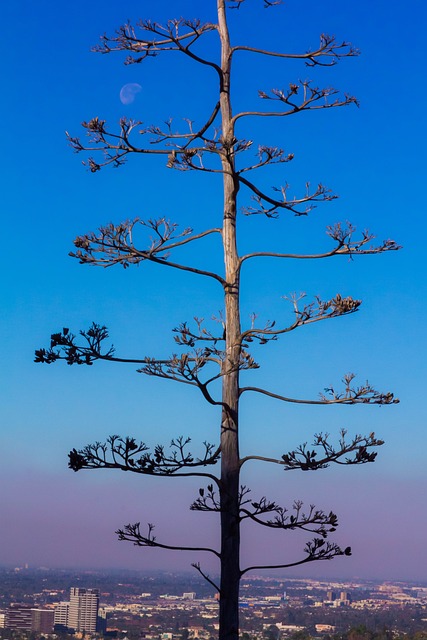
(207, 501)
(315, 520)
(114, 244)
(64, 347)
(132, 533)
(346, 246)
(365, 394)
(306, 459)
(317, 549)
(204, 575)
(127, 454)
(184, 368)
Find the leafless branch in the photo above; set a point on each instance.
(317, 549)
(207, 501)
(184, 368)
(267, 156)
(345, 245)
(306, 459)
(188, 338)
(176, 35)
(114, 244)
(116, 146)
(63, 347)
(314, 521)
(161, 135)
(300, 97)
(132, 533)
(298, 206)
(328, 48)
(204, 575)
(313, 312)
(365, 394)
(187, 367)
(126, 454)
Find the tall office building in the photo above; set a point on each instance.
(83, 611)
(23, 616)
(18, 616)
(61, 616)
(42, 620)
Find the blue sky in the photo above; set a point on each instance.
(373, 157)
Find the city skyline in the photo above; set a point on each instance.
(371, 156)
(174, 603)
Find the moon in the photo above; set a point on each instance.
(129, 91)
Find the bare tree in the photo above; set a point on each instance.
(204, 356)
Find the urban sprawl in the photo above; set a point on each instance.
(176, 607)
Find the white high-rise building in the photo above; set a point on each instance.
(61, 615)
(83, 611)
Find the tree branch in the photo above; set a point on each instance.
(126, 454)
(310, 96)
(115, 147)
(188, 338)
(328, 48)
(207, 501)
(267, 156)
(314, 521)
(306, 459)
(169, 39)
(186, 368)
(114, 244)
(364, 394)
(76, 354)
(320, 194)
(196, 565)
(343, 235)
(317, 549)
(313, 312)
(132, 533)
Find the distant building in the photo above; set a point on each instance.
(324, 628)
(42, 620)
(83, 610)
(61, 616)
(345, 598)
(18, 616)
(101, 624)
(23, 616)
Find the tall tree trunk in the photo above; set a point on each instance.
(230, 460)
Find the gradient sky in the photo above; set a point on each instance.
(373, 157)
